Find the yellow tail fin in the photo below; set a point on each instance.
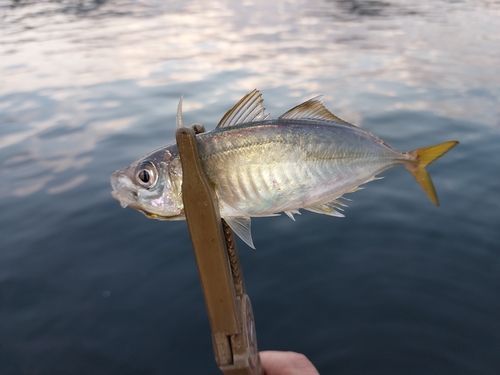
(423, 157)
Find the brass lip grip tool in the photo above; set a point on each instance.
(228, 306)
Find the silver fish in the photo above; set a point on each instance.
(308, 158)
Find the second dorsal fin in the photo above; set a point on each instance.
(313, 109)
(248, 109)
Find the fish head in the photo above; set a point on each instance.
(152, 185)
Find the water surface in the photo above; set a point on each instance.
(397, 286)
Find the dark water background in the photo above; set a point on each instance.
(398, 286)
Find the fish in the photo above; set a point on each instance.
(307, 158)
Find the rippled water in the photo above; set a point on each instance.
(397, 287)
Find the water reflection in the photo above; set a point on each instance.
(77, 7)
(54, 54)
(86, 87)
(356, 9)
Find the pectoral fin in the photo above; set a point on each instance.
(241, 226)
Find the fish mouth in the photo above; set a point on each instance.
(152, 215)
(122, 189)
(125, 192)
(119, 197)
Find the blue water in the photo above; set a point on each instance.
(398, 286)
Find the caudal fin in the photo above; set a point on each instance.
(423, 157)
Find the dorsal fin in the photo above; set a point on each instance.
(313, 109)
(248, 109)
(179, 121)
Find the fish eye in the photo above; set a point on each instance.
(146, 174)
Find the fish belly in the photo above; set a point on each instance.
(261, 170)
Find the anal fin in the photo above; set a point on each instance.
(291, 213)
(329, 208)
(241, 227)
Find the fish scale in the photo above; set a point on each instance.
(284, 150)
(306, 159)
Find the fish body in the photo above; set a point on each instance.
(308, 158)
(276, 166)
